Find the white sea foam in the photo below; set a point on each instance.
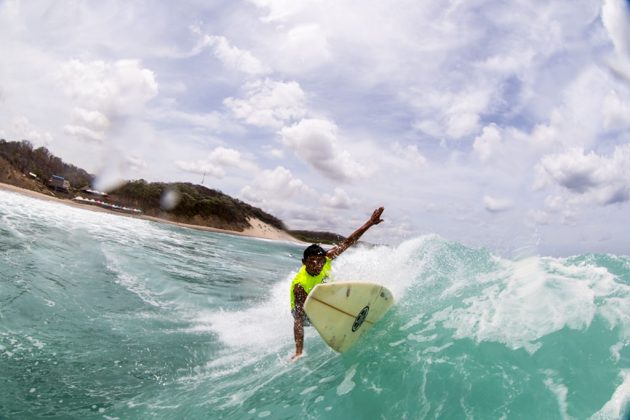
(130, 282)
(619, 404)
(560, 391)
(397, 268)
(347, 384)
(263, 328)
(536, 297)
(615, 350)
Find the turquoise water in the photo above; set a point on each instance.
(103, 316)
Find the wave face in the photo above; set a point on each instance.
(103, 316)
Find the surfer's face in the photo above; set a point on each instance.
(314, 264)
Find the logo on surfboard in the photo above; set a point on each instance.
(360, 318)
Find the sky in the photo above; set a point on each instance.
(496, 124)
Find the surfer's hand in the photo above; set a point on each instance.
(375, 219)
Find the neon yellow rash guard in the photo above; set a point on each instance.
(307, 281)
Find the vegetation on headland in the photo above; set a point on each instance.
(327, 238)
(22, 157)
(25, 167)
(196, 204)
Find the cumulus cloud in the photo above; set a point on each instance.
(616, 19)
(410, 153)
(213, 121)
(201, 167)
(84, 133)
(279, 10)
(616, 111)
(573, 122)
(233, 58)
(269, 103)
(92, 119)
(103, 91)
(496, 205)
(217, 163)
(451, 115)
(599, 179)
(315, 142)
(338, 200)
(486, 144)
(276, 184)
(21, 128)
(539, 217)
(304, 48)
(111, 88)
(87, 125)
(274, 152)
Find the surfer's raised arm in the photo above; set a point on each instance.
(375, 219)
(315, 270)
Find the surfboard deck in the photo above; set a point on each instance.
(342, 312)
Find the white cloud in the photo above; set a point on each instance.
(410, 153)
(276, 184)
(87, 125)
(201, 167)
(269, 103)
(93, 119)
(136, 162)
(616, 19)
(280, 10)
(84, 133)
(555, 203)
(616, 111)
(486, 144)
(595, 178)
(273, 152)
(304, 48)
(574, 122)
(510, 62)
(22, 129)
(233, 58)
(112, 88)
(10, 13)
(230, 157)
(539, 217)
(213, 121)
(315, 142)
(217, 163)
(451, 115)
(496, 205)
(104, 91)
(338, 200)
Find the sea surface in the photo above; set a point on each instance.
(104, 316)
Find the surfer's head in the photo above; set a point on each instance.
(314, 259)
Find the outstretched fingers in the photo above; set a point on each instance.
(376, 216)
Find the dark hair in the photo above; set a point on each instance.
(314, 250)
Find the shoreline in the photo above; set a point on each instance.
(258, 229)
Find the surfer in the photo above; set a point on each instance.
(316, 265)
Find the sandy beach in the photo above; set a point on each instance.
(258, 229)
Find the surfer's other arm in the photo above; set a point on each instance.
(375, 219)
(298, 323)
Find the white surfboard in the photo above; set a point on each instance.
(343, 311)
